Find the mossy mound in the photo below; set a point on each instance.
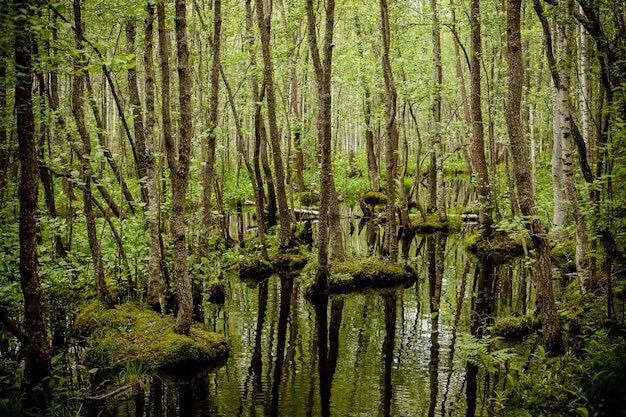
(255, 268)
(134, 333)
(363, 275)
(515, 328)
(375, 198)
(499, 249)
(432, 224)
(309, 198)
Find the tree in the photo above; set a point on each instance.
(391, 134)
(552, 336)
(264, 23)
(38, 353)
(437, 147)
(323, 82)
(179, 174)
(478, 144)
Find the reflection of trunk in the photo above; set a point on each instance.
(327, 346)
(482, 313)
(552, 336)
(436, 252)
(286, 289)
(388, 350)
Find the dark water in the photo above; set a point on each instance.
(397, 353)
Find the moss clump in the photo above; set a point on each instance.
(133, 332)
(374, 198)
(254, 268)
(289, 261)
(514, 328)
(362, 275)
(432, 224)
(499, 249)
(309, 198)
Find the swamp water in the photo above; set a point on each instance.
(391, 353)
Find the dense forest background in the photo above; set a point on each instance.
(131, 132)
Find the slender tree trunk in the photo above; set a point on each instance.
(372, 163)
(208, 168)
(38, 352)
(437, 145)
(135, 102)
(78, 88)
(478, 143)
(391, 134)
(264, 22)
(323, 83)
(552, 336)
(179, 174)
(155, 257)
(565, 34)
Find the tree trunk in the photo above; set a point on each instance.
(437, 145)
(209, 142)
(154, 229)
(372, 163)
(135, 102)
(264, 22)
(179, 175)
(552, 336)
(38, 352)
(478, 144)
(565, 33)
(78, 88)
(390, 246)
(323, 83)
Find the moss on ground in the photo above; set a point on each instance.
(364, 275)
(134, 333)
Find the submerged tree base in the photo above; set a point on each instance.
(256, 268)
(133, 333)
(357, 275)
(499, 249)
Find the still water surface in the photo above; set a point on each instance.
(395, 353)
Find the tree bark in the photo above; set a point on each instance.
(478, 143)
(390, 246)
(324, 131)
(264, 23)
(179, 174)
(552, 336)
(38, 352)
(153, 215)
(437, 145)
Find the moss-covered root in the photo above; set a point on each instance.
(515, 328)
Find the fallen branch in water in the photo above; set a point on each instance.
(108, 395)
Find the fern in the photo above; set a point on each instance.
(478, 351)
